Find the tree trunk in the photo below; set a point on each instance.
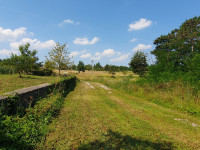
(59, 72)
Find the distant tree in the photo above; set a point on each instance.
(74, 67)
(112, 70)
(106, 67)
(81, 67)
(25, 62)
(139, 63)
(59, 56)
(88, 67)
(97, 67)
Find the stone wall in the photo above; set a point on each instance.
(14, 102)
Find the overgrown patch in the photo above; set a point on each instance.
(25, 132)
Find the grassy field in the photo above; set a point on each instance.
(174, 95)
(97, 117)
(13, 82)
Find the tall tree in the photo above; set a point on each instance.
(59, 56)
(139, 63)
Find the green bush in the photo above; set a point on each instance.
(42, 72)
(6, 70)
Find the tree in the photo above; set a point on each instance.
(59, 56)
(139, 63)
(106, 67)
(81, 67)
(25, 62)
(74, 67)
(97, 67)
(88, 67)
(112, 70)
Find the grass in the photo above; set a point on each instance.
(174, 95)
(94, 118)
(13, 82)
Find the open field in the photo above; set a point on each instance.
(97, 117)
(13, 82)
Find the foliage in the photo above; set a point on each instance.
(98, 66)
(27, 131)
(112, 69)
(6, 70)
(25, 62)
(139, 63)
(88, 67)
(42, 72)
(59, 57)
(177, 54)
(81, 66)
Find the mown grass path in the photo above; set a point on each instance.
(97, 118)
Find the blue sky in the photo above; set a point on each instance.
(106, 31)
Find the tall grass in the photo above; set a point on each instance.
(174, 94)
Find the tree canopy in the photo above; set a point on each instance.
(59, 56)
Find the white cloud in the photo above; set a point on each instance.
(67, 21)
(141, 47)
(88, 55)
(133, 40)
(74, 54)
(121, 58)
(119, 53)
(108, 52)
(141, 24)
(85, 41)
(5, 52)
(96, 58)
(11, 35)
(34, 44)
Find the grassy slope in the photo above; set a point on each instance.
(95, 118)
(13, 82)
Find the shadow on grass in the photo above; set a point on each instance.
(116, 141)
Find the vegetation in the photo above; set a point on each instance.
(139, 63)
(58, 57)
(177, 54)
(10, 83)
(26, 132)
(81, 67)
(25, 62)
(95, 118)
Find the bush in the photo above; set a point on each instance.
(6, 70)
(42, 72)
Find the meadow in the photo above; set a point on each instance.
(106, 112)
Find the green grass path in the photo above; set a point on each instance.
(96, 118)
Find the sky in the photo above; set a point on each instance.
(105, 31)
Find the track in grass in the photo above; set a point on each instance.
(98, 118)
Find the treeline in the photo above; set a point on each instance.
(178, 54)
(97, 67)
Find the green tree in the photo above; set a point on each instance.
(112, 69)
(25, 62)
(59, 56)
(98, 67)
(88, 67)
(139, 63)
(81, 67)
(106, 67)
